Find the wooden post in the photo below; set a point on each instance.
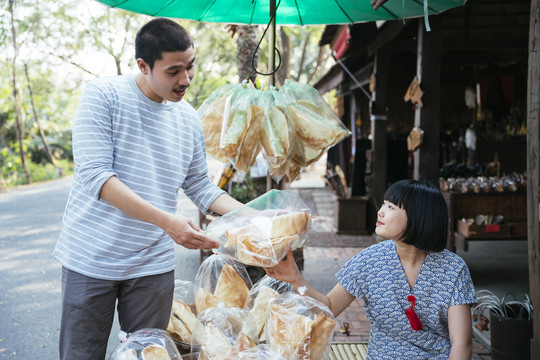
(271, 68)
(378, 127)
(533, 171)
(427, 117)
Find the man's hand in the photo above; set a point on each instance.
(184, 232)
(377, 3)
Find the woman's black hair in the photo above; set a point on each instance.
(158, 36)
(427, 215)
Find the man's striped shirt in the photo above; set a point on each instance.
(156, 149)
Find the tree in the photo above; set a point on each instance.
(20, 133)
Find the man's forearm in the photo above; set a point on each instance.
(224, 204)
(119, 195)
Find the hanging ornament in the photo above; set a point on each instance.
(411, 314)
(414, 93)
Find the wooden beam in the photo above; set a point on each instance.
(379, 110)
(533, 171)
(427, 117)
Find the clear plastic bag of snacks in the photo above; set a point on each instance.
(224, 332)
(313, 122)
(183, 318)
(262, 231)
(299, 326)
(221, 279)
(145, 344)
(260, 352)
(260, 294)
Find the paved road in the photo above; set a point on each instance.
(30, 278)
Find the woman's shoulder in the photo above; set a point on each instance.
(376, 251)
(450, 259)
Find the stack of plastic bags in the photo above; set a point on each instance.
(222, 315)
(293, 127)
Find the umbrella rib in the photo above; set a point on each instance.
(206, 10)
(163, 7)
(344, 12)
(254, 2)
(390, 12)
(429, 7)
(298, 11)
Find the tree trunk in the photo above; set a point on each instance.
(15, 95)
(246, 57)
(303, 58)
(285, 68)
(40, 129)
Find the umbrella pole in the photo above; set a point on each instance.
(272, 47)
(272, 65)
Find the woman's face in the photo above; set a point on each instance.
(391, 221)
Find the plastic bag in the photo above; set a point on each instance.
(183, 317)
(223, 332)
(231, 122)
(221, 279)
(146, 344)
(275, 133)
(258, 297)
(262, 231)
(260, 352)
(214, 114)
(300, 326)
(315, 125)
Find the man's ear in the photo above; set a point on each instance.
(143, 66)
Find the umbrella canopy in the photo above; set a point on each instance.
(289, 12)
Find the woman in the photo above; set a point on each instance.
(416, 294)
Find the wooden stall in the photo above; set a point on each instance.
(511, 206)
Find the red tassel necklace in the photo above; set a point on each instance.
(411, 315)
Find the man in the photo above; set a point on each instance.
(135, 144)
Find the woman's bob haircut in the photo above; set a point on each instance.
(427, 215)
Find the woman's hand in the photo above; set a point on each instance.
(286, 270)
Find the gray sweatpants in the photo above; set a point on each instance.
(88, 310)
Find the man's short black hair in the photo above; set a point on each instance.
(158, 36)
(427, 215)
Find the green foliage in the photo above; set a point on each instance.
(67, 43)
(244, 191)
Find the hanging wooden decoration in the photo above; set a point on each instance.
(414, 93)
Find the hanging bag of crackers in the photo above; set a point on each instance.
(315, 125)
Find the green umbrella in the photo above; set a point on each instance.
(289, 12)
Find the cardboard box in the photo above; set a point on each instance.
(501, 231)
